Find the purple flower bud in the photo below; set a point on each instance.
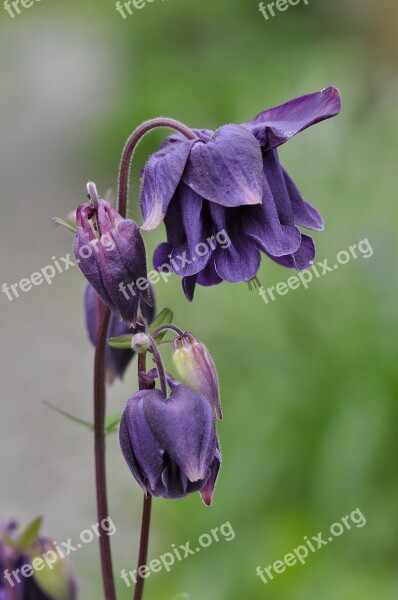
(170, 444)
(116, 361)
(110, 252)
(196, 369)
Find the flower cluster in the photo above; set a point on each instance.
(198, 184)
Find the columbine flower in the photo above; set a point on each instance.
(116, 360)
(196, 369)
(170, 444)
(110, 252)
(232, 181)
(21, 554)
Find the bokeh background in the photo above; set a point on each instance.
(309, 382)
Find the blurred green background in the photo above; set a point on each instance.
(309, 382)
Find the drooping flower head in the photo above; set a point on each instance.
(116, 360)
(111, 254)
(170, 443)
(231, 180)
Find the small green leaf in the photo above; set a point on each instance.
(29, 535)
(69, 416)
(122, 342)
(165, 317)
(63, 223)
(181, 597)
(112, 422)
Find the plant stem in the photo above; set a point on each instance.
(99, 445)
(136, 136)
(170, 327)
(159, 366)
(146, 513)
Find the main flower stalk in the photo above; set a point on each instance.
(100, 376)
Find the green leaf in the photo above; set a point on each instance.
(165, 317)
(122, 342)
(63, 223)
(181, 597)
(69, 416)
(112, 422)
(29, 535)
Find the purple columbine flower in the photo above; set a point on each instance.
(111, 254)
(45, 583)
(116, 360)
(170, 444)
(231, 181)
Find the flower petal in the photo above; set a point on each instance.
(263, 225)
(300, 260)
(162, 174)
(276, 181)
(192, 256)
(139, 445)
(188, 285)
(207, 490)
(275, 126)
(241, 260)
(226, 170)
(184, 426)
(304, 214)
(209, 275)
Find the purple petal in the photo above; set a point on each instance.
(209, 275)
(263, 225)
(241, 260)
(184, 426)
(276, 181)
(300, 260)
(139, 445)
(207, 490)
(226, 170)
(188, 285)
(275, 126)
(304, 214)
(161, 260)
(191, 256)
(162, 174)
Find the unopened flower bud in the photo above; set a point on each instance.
(110, 252)
(196, 369)
(140, 343)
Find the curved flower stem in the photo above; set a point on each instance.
(146, 513)
(160, 368)
(130, 147)
(168, 327)
(99, 444)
